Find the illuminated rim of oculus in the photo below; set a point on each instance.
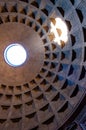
(15, 55)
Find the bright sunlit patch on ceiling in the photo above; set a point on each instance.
(60, 31)
(15, 55)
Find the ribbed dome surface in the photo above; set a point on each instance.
(43, 93)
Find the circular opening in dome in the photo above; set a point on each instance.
(15, 55)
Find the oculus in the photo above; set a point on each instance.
(15, 55)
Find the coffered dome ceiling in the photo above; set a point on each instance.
(47, 89)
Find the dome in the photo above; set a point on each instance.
(44, 87)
